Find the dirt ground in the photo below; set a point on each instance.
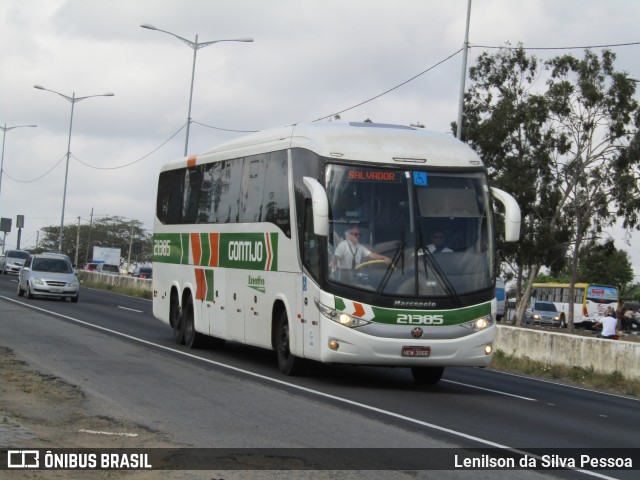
(42, 411)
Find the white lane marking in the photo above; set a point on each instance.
(489, 390)
(94, 432)
(304, 389)
(130, 309)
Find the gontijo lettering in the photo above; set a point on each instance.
(245, 251)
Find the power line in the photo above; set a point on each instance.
(41, 176)
(611, 45)
(135, 161)
(391, 89)
(224, 129)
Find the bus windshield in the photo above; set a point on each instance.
(434, 228)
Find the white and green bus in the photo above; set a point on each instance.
(245, 237)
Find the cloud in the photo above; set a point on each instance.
(309, 59)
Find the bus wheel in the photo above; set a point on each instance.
(287, 362)
(176, 319)
(192, 339)
(427, 375)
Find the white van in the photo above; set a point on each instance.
(13, 261)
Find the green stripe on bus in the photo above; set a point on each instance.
(393, 316)
(449, 317)
(208, 275)
(250, 251)
(205, 247)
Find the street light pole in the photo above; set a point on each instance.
(463, 75)
(195, 46)
(73, 100)
(5, 129)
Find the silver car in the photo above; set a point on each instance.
(543, 313)
(48, 275)
(13, 261)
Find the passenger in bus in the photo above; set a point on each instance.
(350, 252)
(608, 325)
(437, 243)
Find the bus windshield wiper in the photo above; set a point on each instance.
(388, 272)
(448, 287)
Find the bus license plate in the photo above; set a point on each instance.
(416, 351)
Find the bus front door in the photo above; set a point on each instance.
(311, 318)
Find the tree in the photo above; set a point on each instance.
(568, 152)
(114, 231)
(506, 122)
(606, 265)
(594, 111)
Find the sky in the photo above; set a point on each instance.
(309, 59)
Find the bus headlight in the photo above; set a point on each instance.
(479, 323)
(340, 317)
(350, 321)
(326, 311)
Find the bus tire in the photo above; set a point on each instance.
(192, 339)
(288, 363)
(175, 318)
(427, 375)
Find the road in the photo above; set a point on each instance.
(127, 363)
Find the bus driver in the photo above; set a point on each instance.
(351, 253)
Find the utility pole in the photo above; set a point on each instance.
(463, 76)
(130, 243)
(75, 264)
(86, 259)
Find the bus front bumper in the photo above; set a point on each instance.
(348, 345)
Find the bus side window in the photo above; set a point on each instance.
(252, 188)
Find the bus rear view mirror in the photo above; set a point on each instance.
(511, 214)
(320, 205)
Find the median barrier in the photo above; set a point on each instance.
(122, 281)
(601, 355)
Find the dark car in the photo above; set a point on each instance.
(543, 313)
(143, 272)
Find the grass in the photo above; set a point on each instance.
(132, 292)
(613, 382)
